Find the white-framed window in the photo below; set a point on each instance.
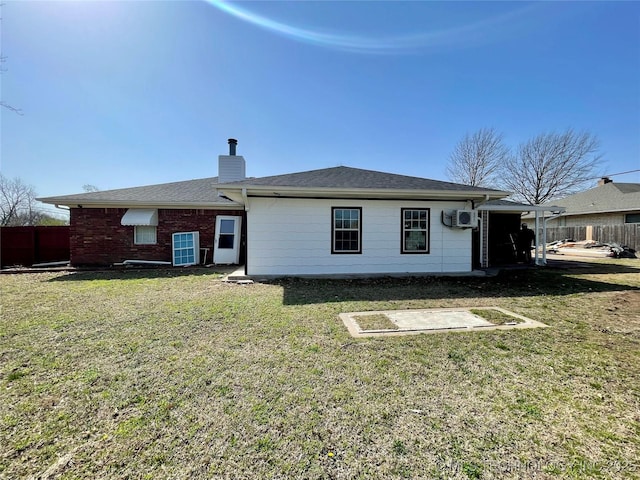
(346, 230)
(415, 230)
(186, 248)
(145, 234)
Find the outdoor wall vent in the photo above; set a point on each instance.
(464, 219)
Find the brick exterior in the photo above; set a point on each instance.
(98, 238)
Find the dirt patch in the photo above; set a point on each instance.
(623, 313)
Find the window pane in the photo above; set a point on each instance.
(227, 226)
(144, 235)
(225, 241)
(415, 241)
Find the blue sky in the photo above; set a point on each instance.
(119, 94)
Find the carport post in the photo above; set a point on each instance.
(537, 236)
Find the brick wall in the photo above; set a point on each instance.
(98, 238)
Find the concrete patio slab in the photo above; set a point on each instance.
(438, 320)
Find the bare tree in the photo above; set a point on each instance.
(477, 158)
(551, 165)
(17, 202)
(90, 188)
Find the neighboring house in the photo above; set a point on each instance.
(332, 221)
(607, 204)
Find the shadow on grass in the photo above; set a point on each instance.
(515, 283)
(595, 268)
(142, 273)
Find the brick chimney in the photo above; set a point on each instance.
(231, 168)
(604, 181)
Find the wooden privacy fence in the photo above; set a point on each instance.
(627, 234)
(28, 245)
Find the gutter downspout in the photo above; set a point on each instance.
(245, 199)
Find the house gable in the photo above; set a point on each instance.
(608, 198)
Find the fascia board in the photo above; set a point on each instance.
(518, 208)
(235, 193)
(128, 204)
(602, 212)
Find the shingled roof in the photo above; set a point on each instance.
(356, 178)
(204, 191)
(189, 192)
(610, 197)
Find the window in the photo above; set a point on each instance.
(186, 248)
(346, 231)
(145, 235)
(632, 218)
(226, 234)
(415, 230)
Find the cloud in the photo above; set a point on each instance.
(471, 34)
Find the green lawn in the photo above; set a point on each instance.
(175, 374)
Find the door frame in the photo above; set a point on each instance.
(237, 240)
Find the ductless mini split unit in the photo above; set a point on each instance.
(464, 219)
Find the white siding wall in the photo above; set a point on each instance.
(293, 237)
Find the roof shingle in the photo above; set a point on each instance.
(355, 178)
(189, 191)
(204, 190)
(604, 198)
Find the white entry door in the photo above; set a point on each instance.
(226, 244)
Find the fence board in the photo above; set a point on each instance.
(28, 245)
(627, 234)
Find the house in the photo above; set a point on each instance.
(331, 221)
(607, 204)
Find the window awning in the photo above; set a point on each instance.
(140, 216)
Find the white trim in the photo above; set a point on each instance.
(138, 204)
(140, 216)
(520, 208)
(235, 193)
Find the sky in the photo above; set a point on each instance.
(121, 94)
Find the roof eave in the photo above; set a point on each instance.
(602, 212)
(521, 208)
(137, 204)
(234, 192)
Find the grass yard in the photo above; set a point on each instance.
(175, 374)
